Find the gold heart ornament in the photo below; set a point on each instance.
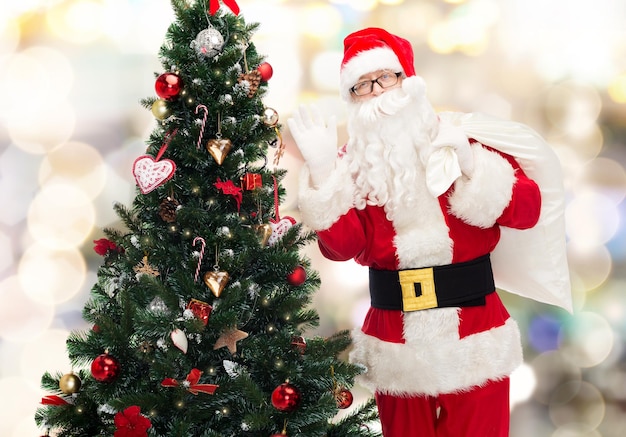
(264, 232)
(216, 281)
(219, 148)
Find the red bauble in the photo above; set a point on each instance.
(168, 86)
(105, 368)
(266, 71)
(344, 398)
(286, 397)
(282, 434)
(297, 277)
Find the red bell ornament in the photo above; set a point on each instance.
(168, 86)
(105, 368)
(297, 277)
(286, 397)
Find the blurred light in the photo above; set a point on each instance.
(18, 403)
(392, 2)
(79, 21)
(77, 164)
(591, 219)
(21, 318)
(16, 8)
(35, 85)
(325, 71)
(34, 76)
(6, 252)
(61, 216)
(551, 370)
(40, 129)
(543, 332)
(46, 353)
(617, 88)
(9, 35)
(523, 382)
(605, 175)
(466, 29)
(577, 405)
(51, 276)
(589, 266)
(18, 183)
(587, 339)
(321, 20)
(358, 5)
(138, 26)
(573, 108)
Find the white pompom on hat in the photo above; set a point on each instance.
(370, 50)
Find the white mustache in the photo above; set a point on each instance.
(385, 105)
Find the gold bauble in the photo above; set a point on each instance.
(270, 117)
(70, 383)
(160, 110)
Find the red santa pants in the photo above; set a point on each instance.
(481, 412)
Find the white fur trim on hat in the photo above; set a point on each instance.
(378, 58)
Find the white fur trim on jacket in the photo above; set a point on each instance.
(320, 208)
(436, 360)
(481, 199)
(379, 58)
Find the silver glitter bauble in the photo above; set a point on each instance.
(208, 43)
(157, 305)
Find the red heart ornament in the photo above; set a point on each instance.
(150, 174)
(279, 229)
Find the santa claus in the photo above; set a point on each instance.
(422, 204)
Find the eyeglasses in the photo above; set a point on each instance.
(385, 80)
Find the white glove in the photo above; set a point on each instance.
(454, 137)
(316, 139)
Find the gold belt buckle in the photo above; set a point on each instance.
(418, 298)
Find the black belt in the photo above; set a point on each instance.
(451, 285)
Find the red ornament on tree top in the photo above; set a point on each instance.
(168, 86)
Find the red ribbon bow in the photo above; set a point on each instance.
(214, 5)
(229, 188)
(53, 400)
(192, 383)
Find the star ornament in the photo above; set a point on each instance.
(145, 268)
(229, 339)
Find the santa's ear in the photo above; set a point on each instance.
(414, 86)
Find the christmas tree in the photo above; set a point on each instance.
(200, 311)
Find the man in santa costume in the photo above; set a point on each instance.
(423, 200)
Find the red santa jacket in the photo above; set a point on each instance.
(440, 350)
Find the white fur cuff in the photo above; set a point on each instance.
(481, 199)
(321, 207)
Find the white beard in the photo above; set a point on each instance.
(389, 136)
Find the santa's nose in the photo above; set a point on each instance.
(377, 89)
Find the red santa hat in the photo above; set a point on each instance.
(370, 50)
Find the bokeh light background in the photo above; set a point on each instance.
(72, 73)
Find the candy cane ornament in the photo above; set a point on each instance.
(206, 114)
(203, 245)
